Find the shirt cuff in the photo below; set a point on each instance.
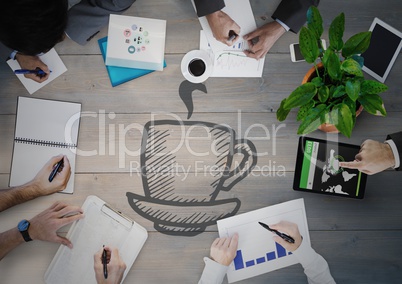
(13, 54)
(282, 24)
(213, 272)
(395, 152)
(305, 253)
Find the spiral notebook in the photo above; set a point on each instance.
(43, 129)
(102, 225)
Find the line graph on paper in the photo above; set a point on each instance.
(236, 64)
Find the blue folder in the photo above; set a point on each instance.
(120, 75)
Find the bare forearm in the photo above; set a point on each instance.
(9, 240)
(16, 195)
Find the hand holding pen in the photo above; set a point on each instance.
(33, 67)
(41, 183)
(287, 234)
(109, 266)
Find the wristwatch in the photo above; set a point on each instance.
(23, 227)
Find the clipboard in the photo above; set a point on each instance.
(102, 225)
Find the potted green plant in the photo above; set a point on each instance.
(337, 88)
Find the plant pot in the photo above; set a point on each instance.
(325, 127)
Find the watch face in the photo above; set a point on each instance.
(23, 225)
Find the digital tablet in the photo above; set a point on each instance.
(317, 169)
(385, 45)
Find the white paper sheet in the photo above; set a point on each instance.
(232, 62)
(52, 60)
(257, 252)
(240, 11)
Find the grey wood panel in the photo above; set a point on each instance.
(380, 209)
(351, 256)
(124, 133)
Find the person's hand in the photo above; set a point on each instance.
(221, 25)
(115, 266)
(262, 39)
(373, 157)
(223, 250)
(42, 186)
(289, 229)
(31, 63)
(44, 226)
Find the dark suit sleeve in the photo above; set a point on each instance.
(397, 138)
(293, 13)
(87, 18)
(4, 52)
(206, 7)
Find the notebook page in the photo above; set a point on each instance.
(40, 127)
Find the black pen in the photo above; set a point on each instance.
(104, 261)
(56, 169)
(287, 238)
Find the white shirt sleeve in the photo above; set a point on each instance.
(315, 266)
(283, 24)
(391, 143)
(213, 272)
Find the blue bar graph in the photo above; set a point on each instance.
(250, 263)
(260, 260)
(238, 261)
(272, 255)
(280, 250)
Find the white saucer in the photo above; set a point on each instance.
(193, 54)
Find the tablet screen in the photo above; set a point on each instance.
(385, 45)
(318, 170)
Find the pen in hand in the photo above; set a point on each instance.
(56, 169)
(287, 238)
(232, 35)
(104, 262)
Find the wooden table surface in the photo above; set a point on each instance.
(360, 239)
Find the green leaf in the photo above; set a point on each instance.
(323, 94)
(339, 91)
(352, 67)
(372, 103)
(282, 113)
(304, 110)
(336, 30)
(373, 87)
(343, 119)
(313, 119)
(314, 22)
(308, 45)
(352, 88)
(357, 44)
(352, 107)
(302, 95)
(326, 55)
(317, 81)
(334, 67)
(358, 59)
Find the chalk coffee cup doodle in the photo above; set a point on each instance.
(186, 204)
(196, 66)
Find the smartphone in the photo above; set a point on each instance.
(295, 54)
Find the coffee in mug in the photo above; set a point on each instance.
(196, 67)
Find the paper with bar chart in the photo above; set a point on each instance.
(257, 252)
